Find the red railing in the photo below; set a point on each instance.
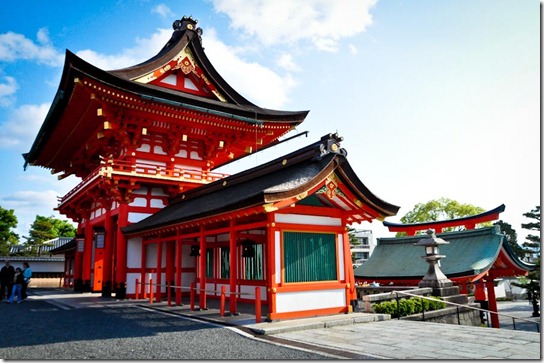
(123, 167)
(193, 291)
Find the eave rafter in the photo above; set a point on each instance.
(127, 116)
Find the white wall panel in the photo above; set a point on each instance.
(309, 300)
(134, 252)
(307, 219)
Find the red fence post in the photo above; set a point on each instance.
(137, 289)
(169, 294)
(222, 303)
(151, 291)
(192, 294)
(257, 304)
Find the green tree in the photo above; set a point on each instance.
(47, 228)
(8, 238)
(511, 238)
(532, 247)
(439, 210)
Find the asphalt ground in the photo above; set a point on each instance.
(357, 336)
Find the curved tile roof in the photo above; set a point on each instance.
(279, 179)
(469, 252)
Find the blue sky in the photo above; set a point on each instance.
(433, 98)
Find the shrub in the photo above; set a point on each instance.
(408, 306)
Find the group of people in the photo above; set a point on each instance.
(14, 282)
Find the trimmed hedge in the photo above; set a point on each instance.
(408, 306)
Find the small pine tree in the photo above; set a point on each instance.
(532, 247)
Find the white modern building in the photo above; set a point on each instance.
(361, 251)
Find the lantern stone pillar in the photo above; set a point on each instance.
(435, 278)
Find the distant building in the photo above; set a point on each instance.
(361, 252)
(43, 249)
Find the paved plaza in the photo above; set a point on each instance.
(354, 335)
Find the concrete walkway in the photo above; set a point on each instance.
(402, 339)
(356, 335)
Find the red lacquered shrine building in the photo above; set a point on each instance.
(145, 141)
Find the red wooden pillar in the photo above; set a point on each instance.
(78, 263)
(170, 258)
(121, 254)
(492, 300)
(202, 259)
(271, 273)
(143, 266)
(159, 271)
(108, 242)
(66, 270)
(351, 292)
(87, 257)
(178, 268)
(463, 289)
(233, 268)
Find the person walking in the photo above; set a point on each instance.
(27, 274)
(6, 280)
(18, 281)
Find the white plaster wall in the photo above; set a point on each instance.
(134, 217)
(277, 256)
(139, 202)
(248, 292)
(186, 260)
(309, 300)
(211, 290)
(157, 203)
(134, 252)
(341, 256)
(131, 283)
(186, 279)
(158, 192)
(140, 191)
(151, 256)
(307, 219)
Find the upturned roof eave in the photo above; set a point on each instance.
(75, 66)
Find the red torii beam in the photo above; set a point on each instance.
(469, 222)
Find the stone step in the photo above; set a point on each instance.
(446, 291)
(458, 299)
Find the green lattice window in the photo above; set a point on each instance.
(209, 263)
(225, 262)
(309, 257)
(253, 266)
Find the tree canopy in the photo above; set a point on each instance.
(532, 245)
(439, 210)
(8, 238)
(532, 248)
(47, 228)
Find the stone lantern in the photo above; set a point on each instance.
(434, 277)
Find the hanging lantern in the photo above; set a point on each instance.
(248, 248)
(195, 251)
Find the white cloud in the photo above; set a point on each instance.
(27, 204)
(22, 125)
(320, 22)
(144, 49)
(246, 77)
(162, 10)
(15, 46)
(286, 62)
(353, 49)
(7, 91)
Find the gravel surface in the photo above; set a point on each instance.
(36, 330)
